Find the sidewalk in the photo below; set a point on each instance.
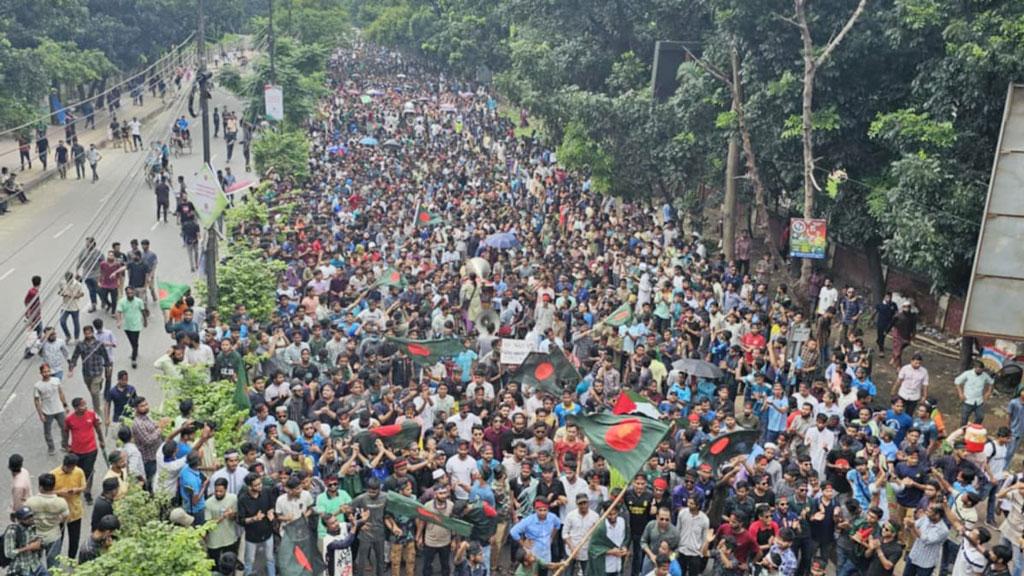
(99, 136)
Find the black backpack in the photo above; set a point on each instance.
(5, 560)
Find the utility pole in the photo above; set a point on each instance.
(212, 292)
(270, 41)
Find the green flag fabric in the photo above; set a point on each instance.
(393, 436)
(426, 218)
(169, 293)
(626, 442)
(630, 402)
(402, 506)
(620, 316)
(428, 352)
(598, 548)
(391, 277)
(728, 446)
(298, 555)
(241, 383)
(550, 372)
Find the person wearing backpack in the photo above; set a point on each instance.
(23, 553)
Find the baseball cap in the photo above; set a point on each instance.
(23, 513)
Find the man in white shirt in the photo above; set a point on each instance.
(461, 468)
(575, 528)
(464, 421)
(827, 297)
(50, 406)
(615, 530)
(912, 383)
(973, 386)
(693, 525)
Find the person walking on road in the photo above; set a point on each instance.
(43, 148)
(163, 198)
(132, 317)
(51, 512)
(33, 317)
(111, 271)
(70, 485)
(71, 292)
(136, 129)
(84, 429)
(60, 156)
(138, 273)
(94, 157)
(216, 122)
(190, 233)
(109, 341)
(95, 361)
(150, 259)
(89, 268)
(78, 155)
(23, 546)
(54, 352)
(51, 405)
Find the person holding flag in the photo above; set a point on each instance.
(535, 533)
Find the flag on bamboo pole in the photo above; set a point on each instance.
(297, 555)
(169, 293)
(394, 436)
(425, 217)
(547, 371)
(620, 316)
(629, 402)
(410, 508)
(626, 442)
(427, 352)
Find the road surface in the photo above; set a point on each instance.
(44, 237)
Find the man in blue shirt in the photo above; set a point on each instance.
(465, 360)
(538, 528)
(897, 419)
(192, 487)
(566, 407)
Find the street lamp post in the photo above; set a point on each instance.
(212, 292)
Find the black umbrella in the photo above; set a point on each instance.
(698, 368)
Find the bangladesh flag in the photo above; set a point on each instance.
(629, 402)
(298, 555)
(426, 218)
(394, 436)
(626, 442)
(598, 548)
(483, 518)
(169, 293)
(402, 506)
(548, 371)
(392, 277)
(428, 352)
(728, 446)
(620, 316)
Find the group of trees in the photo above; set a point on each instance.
(75, 47)
(881, 114)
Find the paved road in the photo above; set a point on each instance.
(44, 237)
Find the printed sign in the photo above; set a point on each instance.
(207, 196)
(273, 100)
(515, 351)
(807, 238)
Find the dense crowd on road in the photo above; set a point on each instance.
(495, 244)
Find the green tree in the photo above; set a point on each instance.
(283, 150)
(248, 279)
(155, 549)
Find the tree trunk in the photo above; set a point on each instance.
(875, 275)
(729, 199)
(966, 352)
(759, 225)
(807, 125)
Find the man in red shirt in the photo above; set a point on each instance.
(746, 547)
(84, 427)
(753, 340)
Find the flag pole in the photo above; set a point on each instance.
(586, 539)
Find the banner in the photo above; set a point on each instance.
(515, 351)
(207, 196)
(807, 238)
(273, 100)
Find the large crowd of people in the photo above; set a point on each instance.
(496, 245)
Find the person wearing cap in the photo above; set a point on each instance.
(575, 531)
(100, 539)
(24, 546)
(436, 540)
(537, 531)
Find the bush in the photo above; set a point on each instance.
(212, 402)
(153, 549)
(247, 278)
(286, 151)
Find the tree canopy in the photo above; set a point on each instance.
(904, 120)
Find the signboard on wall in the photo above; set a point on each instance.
(808, 238)
(273, 99)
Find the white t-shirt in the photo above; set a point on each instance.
(460, 470)
(48, 394)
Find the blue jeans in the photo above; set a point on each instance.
(94, 290)
(249, 555)
(64, 315)
(909, 569)
(53, 550)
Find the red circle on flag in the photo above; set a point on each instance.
(418, 350)
(395, 276)
(387, 431)
(625, 435)
(163, 293)
(544, 370)
(621, 315)
(424, 217)
(719, 446)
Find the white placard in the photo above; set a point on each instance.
(273, 99)
(514, 351)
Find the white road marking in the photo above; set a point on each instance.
(8, 273)
(8, 402)
(62, 231)
(155, 224)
